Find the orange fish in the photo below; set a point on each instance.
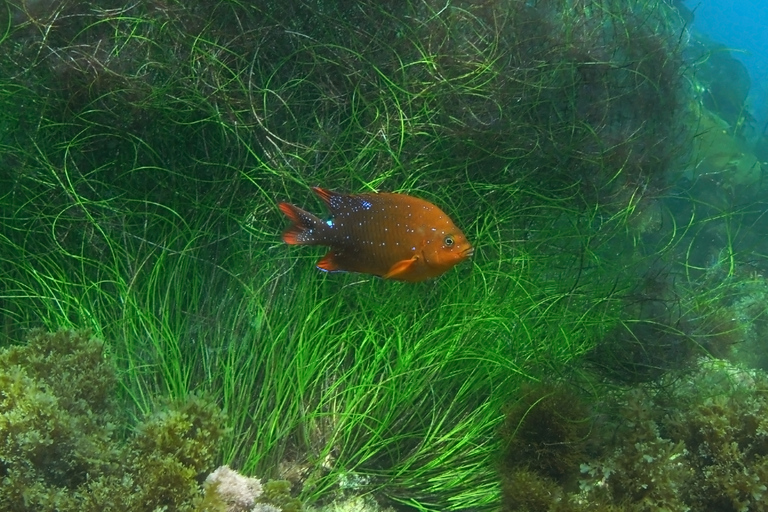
(394, 236)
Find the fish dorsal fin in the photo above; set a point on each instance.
(338, 203)
(326, 195)
(401, 268)
(328, 263)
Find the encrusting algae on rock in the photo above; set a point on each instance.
(232, 489)
(693, 441)
(226, 490)
(62, 449)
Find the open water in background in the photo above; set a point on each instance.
(742, 26)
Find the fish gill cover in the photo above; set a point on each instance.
(145, 146)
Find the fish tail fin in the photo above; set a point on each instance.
(306, 227)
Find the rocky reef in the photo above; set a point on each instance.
(696, 440)
(65, 445)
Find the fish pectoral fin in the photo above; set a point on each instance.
(401, 268)
(328, 263)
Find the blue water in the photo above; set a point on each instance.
(742, 26)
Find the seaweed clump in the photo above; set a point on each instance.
(547, 430)
(693, 441)
(56, 417)
(668, 326)
(547, 434)
(61, 449)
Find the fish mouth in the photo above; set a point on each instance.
(468, 252)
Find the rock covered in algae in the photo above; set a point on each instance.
(356, 504)
(56, 420)
(61, 447)
(60, 443)
(688, 442)
(226, 490)
(236, 492)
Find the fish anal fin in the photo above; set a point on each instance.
(328, 263)
(400, 269)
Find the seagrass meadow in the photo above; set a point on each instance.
(617, 273)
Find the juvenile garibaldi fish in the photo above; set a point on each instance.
(395, 236)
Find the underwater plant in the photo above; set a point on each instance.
(62, 436)
(668, 322)
(57, 418)
(546, 432)
(693, 440)
(155, 138)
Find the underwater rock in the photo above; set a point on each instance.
(61, 444)
(725, 81)
(690, 441)
(237, 491)
(357, 504)
(721, 160)
(228, 490)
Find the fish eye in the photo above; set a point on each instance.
(448, 241)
